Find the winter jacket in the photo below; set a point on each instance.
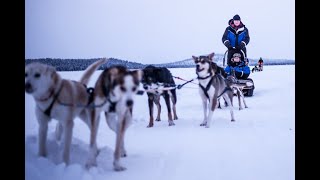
(236, 35)
(240, 69)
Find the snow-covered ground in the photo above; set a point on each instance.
(259, 145)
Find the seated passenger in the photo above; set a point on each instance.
(241, 68)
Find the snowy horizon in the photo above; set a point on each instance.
(259, 145)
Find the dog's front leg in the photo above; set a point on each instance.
(228, 96)
(213, 105)
(239, 98)
(205, 107)
(156, 100)
(173, 96)
(112, 122)
(242, 96)
(126, 125)
(119, 140)
(93, 149)
(43, 121)
(150, 104)
(167, 100)
(68, 128)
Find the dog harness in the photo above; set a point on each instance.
(206, 89)
(55, 97)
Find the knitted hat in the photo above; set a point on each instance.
(237, 55)
(236, 17)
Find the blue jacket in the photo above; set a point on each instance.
(235, 36)
(241, 67)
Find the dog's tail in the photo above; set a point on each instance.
(90, 70)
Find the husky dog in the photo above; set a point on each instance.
(59, 99)
(114, 94)
(211, 86)
(159, 81)
(255, 68)
(237, 89)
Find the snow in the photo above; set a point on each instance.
(259, 145)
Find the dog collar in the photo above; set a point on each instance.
(48, 110)
(210, 74)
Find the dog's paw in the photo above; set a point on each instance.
(150, 125)
(42, 153)
(92, 159)
(232, 120)
(240, 108)
(203, 124)
(90, 163)
(175, 118)
(171, 123)
(158, 119)
(118, 167)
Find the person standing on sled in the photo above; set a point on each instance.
(236, 38)
(240, 68)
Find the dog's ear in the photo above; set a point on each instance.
(50, 70)
(138, 74)
(113, 74)
(211, 56)
(195, 58)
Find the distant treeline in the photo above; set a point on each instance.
(82, 64)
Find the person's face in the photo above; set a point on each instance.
(236, 59)
(236, 22)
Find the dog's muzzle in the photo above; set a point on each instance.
(129, 103)
(198, 68)
(28, 88)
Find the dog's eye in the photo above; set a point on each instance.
(123, 89)
(26, 75)
(202, 62)
(37, 75)
(134, 89)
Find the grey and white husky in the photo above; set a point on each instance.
(212, 86)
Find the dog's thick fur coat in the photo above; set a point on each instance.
(212, 85)
(154, 80)
(114, 94)
(60, 99)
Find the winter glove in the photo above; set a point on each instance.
(242, 45)
(228, 45)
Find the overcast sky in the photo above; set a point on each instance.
(154, 31)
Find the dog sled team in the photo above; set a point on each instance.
(116, 87)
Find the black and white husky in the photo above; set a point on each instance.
(212, 86)
(114, 94)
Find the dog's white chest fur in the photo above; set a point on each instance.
(204, 84)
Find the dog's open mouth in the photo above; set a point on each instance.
(200, 69)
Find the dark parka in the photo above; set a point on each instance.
(236, 34)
